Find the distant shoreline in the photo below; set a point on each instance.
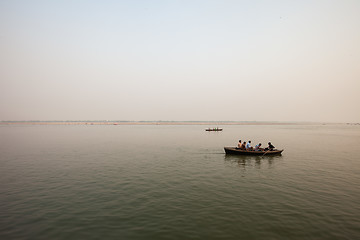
(211, 123)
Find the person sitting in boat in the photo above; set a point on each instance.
(243, 146)
(239, 144)
(258, 147)
(270, 147)
(248, 146)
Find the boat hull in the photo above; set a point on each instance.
(237, 151)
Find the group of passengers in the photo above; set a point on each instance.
(247, 146)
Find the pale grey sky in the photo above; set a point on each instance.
(180, 60)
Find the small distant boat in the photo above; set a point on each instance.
(213, 129)
(232, 150)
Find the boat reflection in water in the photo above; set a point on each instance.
(246, 161)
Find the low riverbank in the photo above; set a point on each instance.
(211, 123)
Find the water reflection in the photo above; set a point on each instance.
(251, 161)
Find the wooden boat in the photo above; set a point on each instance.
(238, 151)
(213, 129)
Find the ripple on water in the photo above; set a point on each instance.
(91, 183)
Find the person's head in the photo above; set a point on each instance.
(249, 141)
(259, 144)
(269, 143)
(239, 141)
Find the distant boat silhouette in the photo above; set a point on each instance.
(213, 129)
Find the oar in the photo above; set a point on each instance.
(265, 152)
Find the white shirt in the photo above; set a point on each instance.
(248, 145)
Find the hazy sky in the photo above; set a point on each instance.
(180, 60)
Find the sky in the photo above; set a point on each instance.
(189, 60)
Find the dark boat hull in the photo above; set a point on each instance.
(232, 150)
(214, 130)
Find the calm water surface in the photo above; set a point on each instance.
(175, 182)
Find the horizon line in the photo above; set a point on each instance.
(173, 122)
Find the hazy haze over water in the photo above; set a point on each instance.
(137, 79)
(180, 60)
